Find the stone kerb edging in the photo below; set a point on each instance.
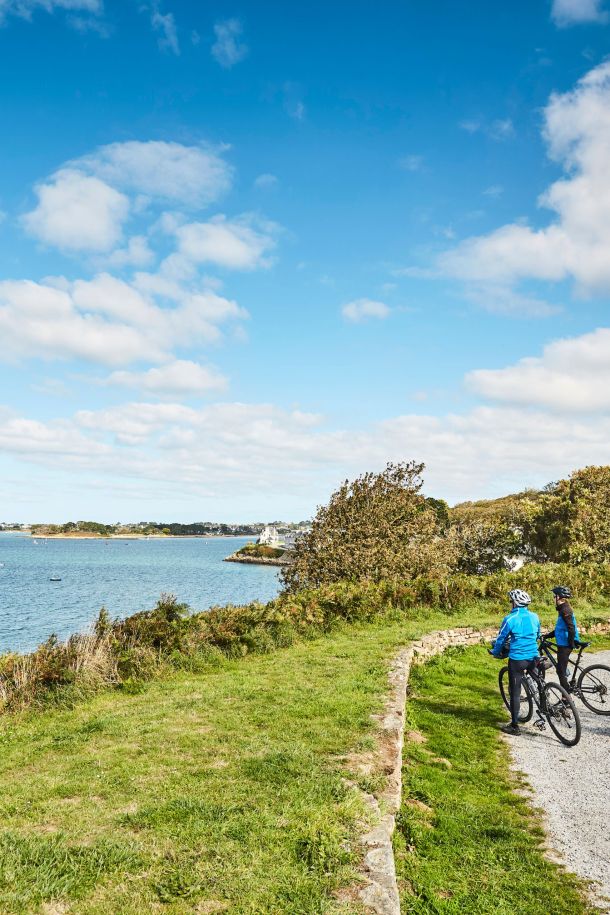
(379, 891)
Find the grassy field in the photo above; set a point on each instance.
(220, 788)
(466, 843)
(216, 789)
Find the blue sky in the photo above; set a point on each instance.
(249, 250)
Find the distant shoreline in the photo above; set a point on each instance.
(91, 536)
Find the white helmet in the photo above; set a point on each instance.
(520, 598)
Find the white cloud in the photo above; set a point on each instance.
(84, 205)
(165, 24)
(265, 181)
(231, 447)
(243, 243)
(137, 253)
(106, 320)
(411, 163)
(193, 176)
(177, 378)
(570, 12)
(296, 110)
(25, 8)
(77, 212)
(575, 244)
(293, 100)
(37, 440)
(499, 129)
(229, 49)
(361, 309)
(494, 191)
(571, 375)
(503, 300)
(416, 272)
(470, 125)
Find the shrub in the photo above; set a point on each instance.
(573, 523)
(376, 527)
(483, 547)
(261, 551)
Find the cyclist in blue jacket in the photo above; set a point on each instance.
(519, 632)
(565, 632)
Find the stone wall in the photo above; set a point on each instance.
(379, 891)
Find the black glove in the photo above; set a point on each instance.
(571, 645)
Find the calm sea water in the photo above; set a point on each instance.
(122, 575)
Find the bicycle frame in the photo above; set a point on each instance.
(537, 694)
(550, 651)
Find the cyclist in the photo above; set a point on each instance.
(565, 632)
(519, 632)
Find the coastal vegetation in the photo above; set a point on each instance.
(381, 527)
(260, 551)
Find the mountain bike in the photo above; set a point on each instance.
(552, 703)
(589, 684)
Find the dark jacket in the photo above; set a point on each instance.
(565, 632)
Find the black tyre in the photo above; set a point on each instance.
(526, 706)
(593, 688)
(561, 714)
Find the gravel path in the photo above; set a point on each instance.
(572, 786)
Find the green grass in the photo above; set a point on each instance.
(209, 791)
(218, 788)
(466, 843)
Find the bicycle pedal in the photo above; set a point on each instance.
(540, 723)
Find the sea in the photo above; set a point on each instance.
(124, 576)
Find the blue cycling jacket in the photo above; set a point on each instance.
(566, 621)
(521, 629)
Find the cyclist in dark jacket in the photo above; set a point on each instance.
(565, 632)
(519, 633)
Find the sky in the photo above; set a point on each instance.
(250, 250)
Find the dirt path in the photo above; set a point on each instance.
(572, 786)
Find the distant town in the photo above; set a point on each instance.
(277, 534)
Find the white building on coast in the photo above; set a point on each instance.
(280, 538)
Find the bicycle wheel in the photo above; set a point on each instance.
(526, 706)
(561, 714)
(593, 688)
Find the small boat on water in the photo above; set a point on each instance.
(55, 578)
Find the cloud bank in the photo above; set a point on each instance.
(574, 245)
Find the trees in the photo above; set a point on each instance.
(573, 522)
(485, 546)
(376, 527)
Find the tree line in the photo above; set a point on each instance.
(381, 527)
